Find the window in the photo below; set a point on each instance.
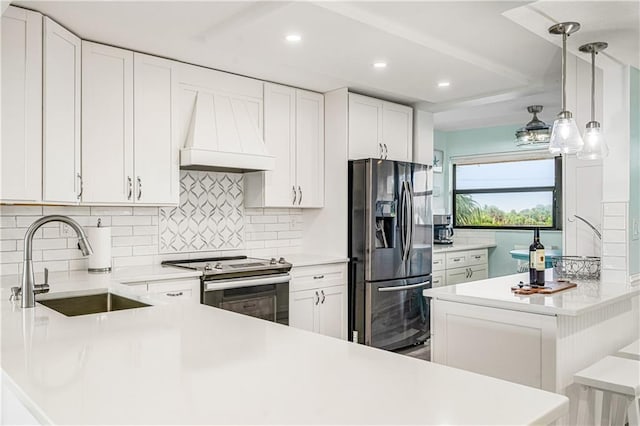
(520, 194)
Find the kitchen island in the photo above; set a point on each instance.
(537, 340)
(179, 363)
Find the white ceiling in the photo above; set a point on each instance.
(485, 53)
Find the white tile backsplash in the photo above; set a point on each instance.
(136, 234)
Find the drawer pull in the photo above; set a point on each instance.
(318, 277)
(174, 294)
(457, 259)
(477, 257)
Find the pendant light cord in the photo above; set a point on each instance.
(593, 85)
(564, 71)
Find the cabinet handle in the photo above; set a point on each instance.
(318, 277)
(317, 298)
(386, 151)
(381, 151)
(322, 291)
(139, 188)
(300, 199)
(477, 257)
(81, 186)
(470, 272)
(174, 294)
(130, 184)
(295, 194)
(457, 259)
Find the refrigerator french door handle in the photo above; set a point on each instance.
(407, 220)
(401, 221)
(403, 287)
(411, 219)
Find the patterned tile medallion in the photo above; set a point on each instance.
(210, 215)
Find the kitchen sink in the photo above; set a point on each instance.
(91, 304)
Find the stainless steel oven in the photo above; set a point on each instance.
(265, 297)
(250, 286)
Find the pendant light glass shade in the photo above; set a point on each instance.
(595, 147)
(565, 136)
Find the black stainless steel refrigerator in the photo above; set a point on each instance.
(391, 235)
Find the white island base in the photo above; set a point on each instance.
(537, 340)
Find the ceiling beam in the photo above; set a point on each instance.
(382, 23)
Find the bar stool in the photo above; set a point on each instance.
(613, 376)
(631, 352)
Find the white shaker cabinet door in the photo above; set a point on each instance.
(397, 131)
(310, 148)
(21, 147)
(279, 137)
(332, 312)
(107, 124)
(156, 153)
(303, 312)
(61, 115)
(365, 127)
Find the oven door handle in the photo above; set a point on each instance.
(246, 282)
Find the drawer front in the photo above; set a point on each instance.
(477, 257)
(316, 276)
(176, 290)
(457, 259)
(438, 262)
(175, 296)
(438, 280)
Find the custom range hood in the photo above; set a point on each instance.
(224, 137)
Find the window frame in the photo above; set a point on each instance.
(556, 191)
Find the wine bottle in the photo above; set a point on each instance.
(533, 277)
(540, 260)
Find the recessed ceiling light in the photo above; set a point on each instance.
(293, 38)
(444, 84)
(379, 64)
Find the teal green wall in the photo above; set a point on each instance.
(486, 141)
(634, 184)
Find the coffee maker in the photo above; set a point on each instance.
(442, 229)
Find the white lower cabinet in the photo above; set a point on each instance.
(317, 299)
(458, 267)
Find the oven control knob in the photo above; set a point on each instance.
(282, 261)
(272, 261)
(207, 267)
(218, 265)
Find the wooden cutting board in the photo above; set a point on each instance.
(549, 288)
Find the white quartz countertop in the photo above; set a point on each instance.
(182, 363)
(496, 292)
(443, 248)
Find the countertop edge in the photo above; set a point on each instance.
(438, 248)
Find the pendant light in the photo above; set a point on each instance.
(565, 137)
(536, 132)
(595, 148)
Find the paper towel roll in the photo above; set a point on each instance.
(100, 240)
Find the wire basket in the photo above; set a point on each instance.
(582, 267)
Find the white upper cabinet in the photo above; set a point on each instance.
(310, 148)
(128, 150)
(294, 134)
(280, 140)
(397, 131)
(379, 129)
(21, 145)
(155, 152)
(365, 127)
(62, 179)
(107, 124)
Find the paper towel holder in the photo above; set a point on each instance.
(105, 269)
